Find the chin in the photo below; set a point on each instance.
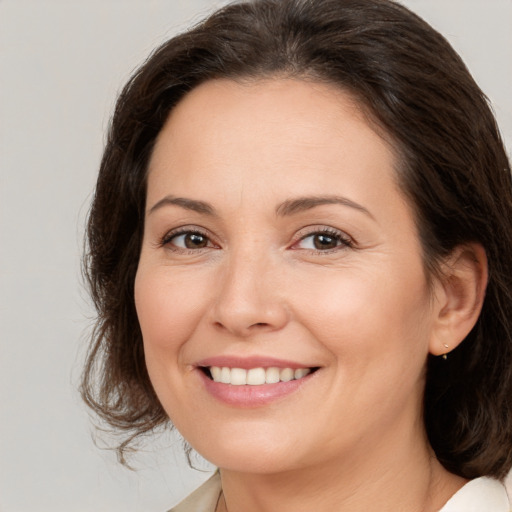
(252, 463)
(258, 454)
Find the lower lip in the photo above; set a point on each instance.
(251, 396)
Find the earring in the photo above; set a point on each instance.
(445, 356)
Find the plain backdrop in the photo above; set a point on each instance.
(61, 65)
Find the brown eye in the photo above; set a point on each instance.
(189, 240)
(324, 242)
(195, 241)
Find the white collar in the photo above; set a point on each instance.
(203, 499)
(480, 495)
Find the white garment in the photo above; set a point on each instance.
(479, 495)
(203, 499)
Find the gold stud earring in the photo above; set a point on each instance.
(445, 356)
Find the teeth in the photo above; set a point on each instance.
(286, 374)
(301, 372)
(225, 376)
(238, 376)
(272, 375)
(256, 376)
(216, 373)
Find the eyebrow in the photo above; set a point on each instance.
(293, 206)
(187, 204)
(287, 208)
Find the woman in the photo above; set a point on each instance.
(300, 251)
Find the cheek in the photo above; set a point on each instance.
(169, 307)
(362, 314)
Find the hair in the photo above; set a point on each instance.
(453, 169)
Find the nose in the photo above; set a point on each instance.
(250, 299)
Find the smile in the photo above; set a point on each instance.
(255, 376)
(252, 381)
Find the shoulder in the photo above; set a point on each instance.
(203, 499)
(479, 495)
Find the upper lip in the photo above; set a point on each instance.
(247, 363)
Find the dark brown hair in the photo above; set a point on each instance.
(454, 170)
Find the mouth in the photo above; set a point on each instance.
(255, 376)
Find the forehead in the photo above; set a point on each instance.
(283, 134)
(273, 102)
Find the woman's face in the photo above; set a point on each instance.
(278, 246)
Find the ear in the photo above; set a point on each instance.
(459, 296)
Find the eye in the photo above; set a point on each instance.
(323, 241)
(188, 240)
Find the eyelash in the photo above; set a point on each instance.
(343, 241)
(167, 239)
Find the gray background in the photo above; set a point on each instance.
(61, 65)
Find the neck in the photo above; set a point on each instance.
(405, 476)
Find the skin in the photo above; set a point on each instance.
(352, 436)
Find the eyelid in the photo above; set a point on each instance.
(346, 240)
(166, 239)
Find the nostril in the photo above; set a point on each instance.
(259, 325)
(246, 319)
